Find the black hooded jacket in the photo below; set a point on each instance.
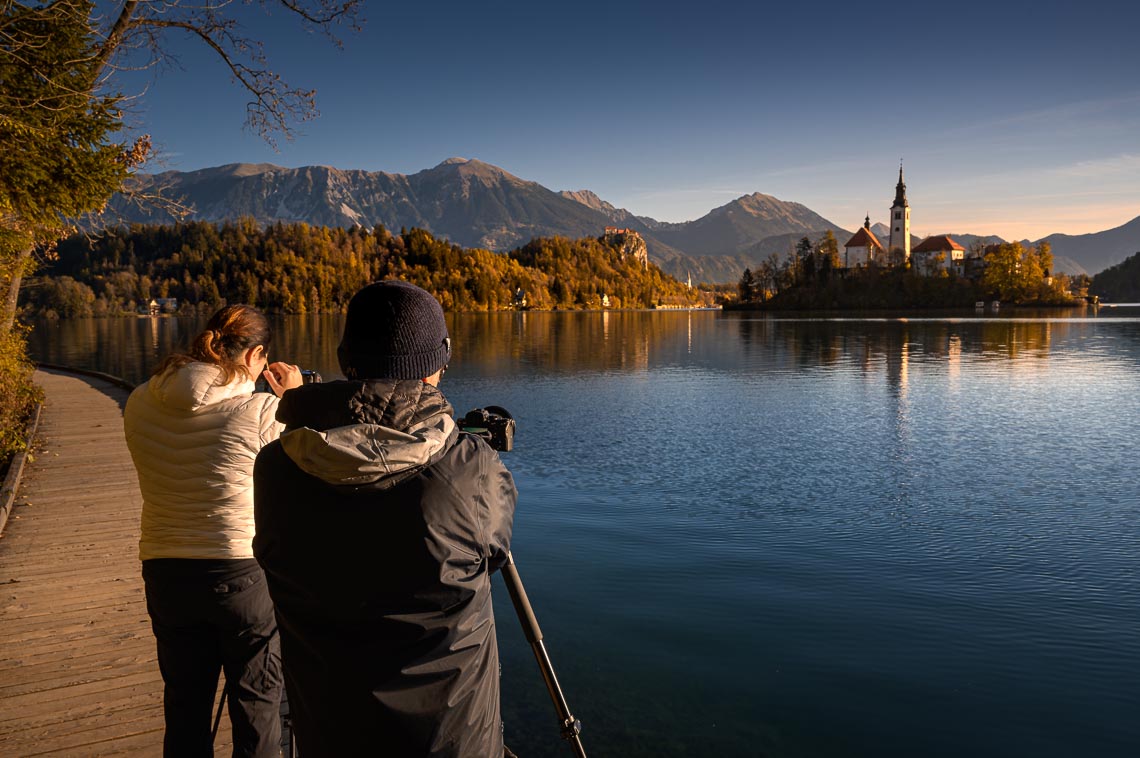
(378, 527)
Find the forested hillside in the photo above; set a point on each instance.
(1119, 283)
(298, 268)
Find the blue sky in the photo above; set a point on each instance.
(1012, 118)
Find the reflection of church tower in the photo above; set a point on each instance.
(900, 220)
(954, 361)
(896, 350)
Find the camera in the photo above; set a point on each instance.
(308, 376)
(494, 424)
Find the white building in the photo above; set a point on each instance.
(863, 248)
(927, 251)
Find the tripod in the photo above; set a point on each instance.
(570, 726)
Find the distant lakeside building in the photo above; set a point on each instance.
(159, 305)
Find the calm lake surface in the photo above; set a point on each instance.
(747, 535)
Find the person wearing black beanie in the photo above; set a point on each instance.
(379, 525)
(393, 330)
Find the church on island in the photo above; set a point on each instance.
(931, 256)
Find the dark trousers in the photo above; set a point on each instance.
(209, 616)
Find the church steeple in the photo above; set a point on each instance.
(899, 241)
(900, 191)
(867, 222)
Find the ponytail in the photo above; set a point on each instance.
(228, 334)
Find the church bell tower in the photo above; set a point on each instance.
(900, 222)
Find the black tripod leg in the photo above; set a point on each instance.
(569, 726)
(218, 717)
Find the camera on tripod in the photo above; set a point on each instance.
(494, 424)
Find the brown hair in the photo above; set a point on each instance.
(229, 333)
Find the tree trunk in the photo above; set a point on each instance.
(12, 296)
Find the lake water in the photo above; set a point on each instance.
(747, 535)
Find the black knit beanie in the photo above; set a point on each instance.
(393, 330)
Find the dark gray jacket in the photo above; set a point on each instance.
(378, 527)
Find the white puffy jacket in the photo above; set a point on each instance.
(194, 441)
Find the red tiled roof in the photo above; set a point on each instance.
(937, 244)
(864, 238)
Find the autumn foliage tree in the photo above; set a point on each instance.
(299, 268)
(63, 146)
(61, 157)
(1017, 273)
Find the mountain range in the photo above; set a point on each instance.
(476, 204)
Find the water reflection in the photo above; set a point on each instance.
(954, 361)
(125, 347)
(871, 344)
(731, 523)
(560, 342)
(632, 342)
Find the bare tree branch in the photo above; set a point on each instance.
(276, 107)
(324, 13)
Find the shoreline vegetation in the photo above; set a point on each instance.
(19, 398)
(296, 268)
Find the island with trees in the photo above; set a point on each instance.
(813, 277)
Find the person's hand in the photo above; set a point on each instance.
(282, 377)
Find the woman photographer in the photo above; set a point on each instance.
(194, 429)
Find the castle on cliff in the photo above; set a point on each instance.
(629, 242)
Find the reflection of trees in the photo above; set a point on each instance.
(1012, 339)
(309, 341)
(551, 342)
(489, 344)
(132, 347)
(128, 348)
(891, 344)
(753, 332)
(482, 343)
(792, 343)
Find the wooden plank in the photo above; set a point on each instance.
(64, 705)
(76, 628)
(39, 642)
(142, 708)
(78, 672)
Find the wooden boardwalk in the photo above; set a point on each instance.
(78, 673)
